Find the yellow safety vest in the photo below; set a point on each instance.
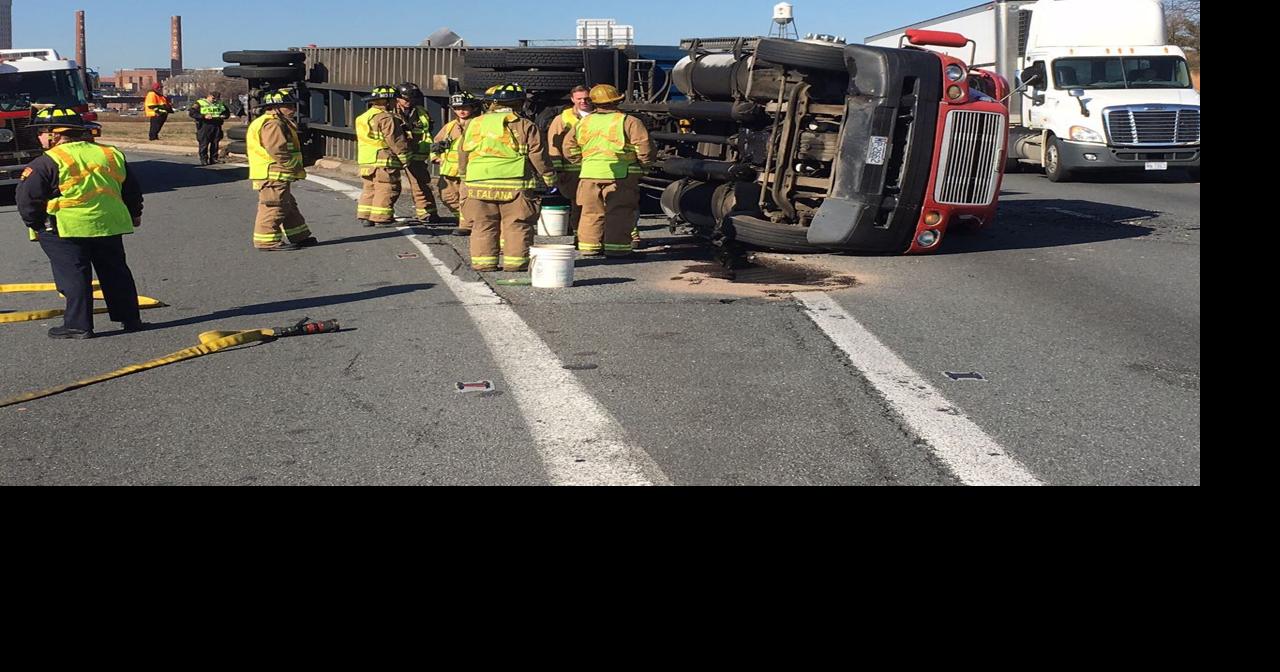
(605, 152)
(90, 177)
(420, 128)
(494, 155)
(449, 157)
(571, 120)
(261, 164)
(370, 143)
(208, 109)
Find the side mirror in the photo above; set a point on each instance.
(1076, 93)
(1032, 76)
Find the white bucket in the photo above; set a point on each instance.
(554, 220)
(551, 266)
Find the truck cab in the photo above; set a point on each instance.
(30, 76)
(1106, 94)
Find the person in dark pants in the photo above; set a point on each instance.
(209, 113)
(78, 200)
(157, 108)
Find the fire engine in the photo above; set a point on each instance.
(27, 77)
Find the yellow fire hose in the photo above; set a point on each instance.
(144, 302)
(210, 342)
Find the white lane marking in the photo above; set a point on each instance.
(974, 457)
(576, 438)
(340, 187)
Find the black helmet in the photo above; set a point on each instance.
(409, 91)
(464, 99)
(382, 92)
(279, 97)
(56, 117)
(506, 93)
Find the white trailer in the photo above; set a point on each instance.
(1100, 88)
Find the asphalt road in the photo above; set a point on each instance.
(1080, 308)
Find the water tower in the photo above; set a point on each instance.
(784, 22)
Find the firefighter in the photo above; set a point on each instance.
(383, 152)
(504, 167)
(448, 142)
(566, 171)
(157, 109)
(275, 162)
(613, 149)
(410, 107)
(79, 199)
(209, 113)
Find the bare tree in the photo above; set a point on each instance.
(1182, 23)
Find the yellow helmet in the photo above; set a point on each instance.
(604, 94)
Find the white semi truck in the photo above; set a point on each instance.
(1099, 87)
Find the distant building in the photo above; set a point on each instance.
(140, 80)
(6, 24)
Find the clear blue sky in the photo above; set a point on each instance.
(135, 33)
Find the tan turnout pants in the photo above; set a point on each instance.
(454, 193)
(279, 219)
(609, 209)
(378, 198)
(504, 229)
(424, 202)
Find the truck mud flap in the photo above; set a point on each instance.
(886, 151)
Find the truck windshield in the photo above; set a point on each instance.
(19, 89)
(1124, 72)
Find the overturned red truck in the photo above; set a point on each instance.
(815, 145)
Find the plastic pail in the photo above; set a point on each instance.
(552, 265)
(554, 220)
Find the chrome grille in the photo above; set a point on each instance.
(969, 167)
(1176, 126)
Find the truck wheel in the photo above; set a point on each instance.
(770, 236)
(258, 57)
(532, 80)
(1053, 168)
(524, 59)
(290, 73)
(237, 147)
(802, 55)
(237, 132)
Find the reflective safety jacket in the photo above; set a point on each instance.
(417, 123)
(502, 155)
(452, 133)
(381, 140)
(90, 179)
(216, 109)
(605, 151)
(156, 105)
(562, 126)
(275, 150)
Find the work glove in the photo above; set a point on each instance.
(440, 147)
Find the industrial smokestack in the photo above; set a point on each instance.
(81, 55)
(6, 24)
(175, 45)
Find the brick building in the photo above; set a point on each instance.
(140, 80)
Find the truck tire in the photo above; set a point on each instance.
(525, 59)
(1053, 168)
(258, 57)
(532, 80)
(237, 132)
(802, 55)
(770, 236)
(237, 147)
(289, 73)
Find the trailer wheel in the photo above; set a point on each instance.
(802, 55)
(1053, 168)
(237, 147)
(531, 80)
(524, 59)
(237, 132)
(291, 73)
(259, 57)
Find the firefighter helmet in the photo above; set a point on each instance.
(463, 99)
(506, 93)
(61, 119)
(605, 94)
(409, 91)
(382, 92)
(279, 97)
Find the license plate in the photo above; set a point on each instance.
(879, 148)
(1157, 165)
